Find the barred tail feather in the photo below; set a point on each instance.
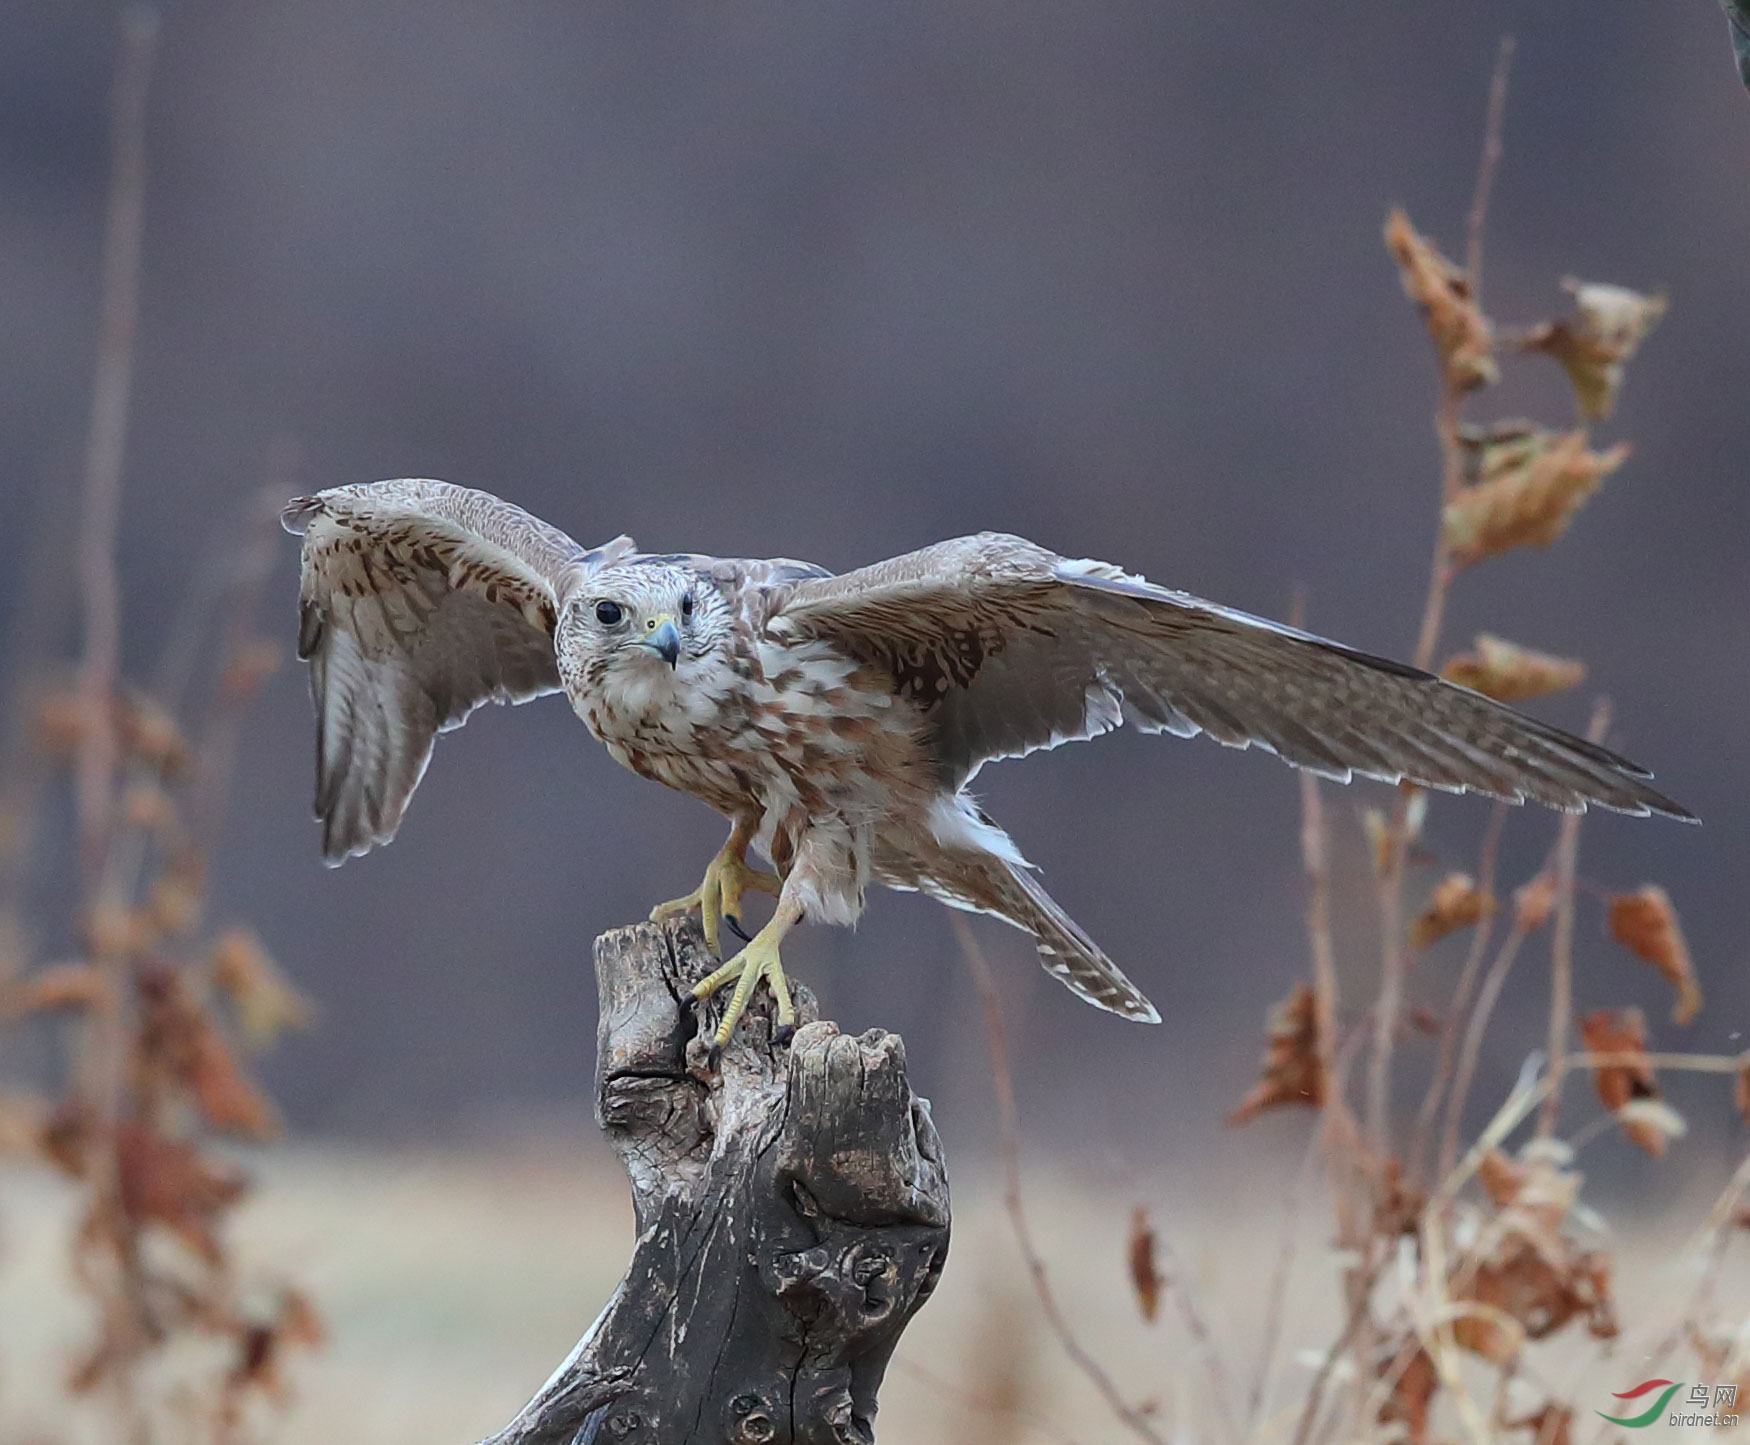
(1068, 954)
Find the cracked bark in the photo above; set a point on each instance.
(792, 1216)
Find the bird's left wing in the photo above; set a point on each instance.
(419, 601)
(1008, 647)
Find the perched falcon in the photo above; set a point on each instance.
(836, 721)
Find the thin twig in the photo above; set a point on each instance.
(1487, 997)
(1479, 206)
(1389, 1005)
(1008, 1143)
(1184, 1297)
(1487, 860)
(1315, 1392)
(103, 1046)
(1315, 864)
(106, 437)
(1561, 952)
(1276, 1297)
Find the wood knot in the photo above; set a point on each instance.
(753, 1423)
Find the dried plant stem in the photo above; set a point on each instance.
(1561, 953)
(1008, 1140)
(106, 437)
(1487, 997)
(252, 565)
(1178, 1285)
(1487, 861)
(103, 1048)
(1389, 1005)
(1393, 955)
(1315, 836)
(1358, 1310)
(1493, 127)
(1275, 1299)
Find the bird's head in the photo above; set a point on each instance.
(643, 618)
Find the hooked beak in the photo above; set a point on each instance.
(664, 639)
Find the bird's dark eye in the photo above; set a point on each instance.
(609, 613)
(687, 605)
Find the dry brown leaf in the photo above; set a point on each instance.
(264, 998)
(1651, 1117)
(181, 1046)
(60, 724)
(228, 1099)
(1594, 345)
(173, 902)
(1398, 1203)
(22, 1117)
(1423, 1020)
(1145, 1276)
(1538, 1289)
(61, 985)
(1509, 673)
(1292, 1071)
(1533, 903)
(1624, 1031)
(149, 734)
(113, 932)
(1414, 1381)
(1527, 496)
(1461, 333)
(247, 670)
(149, 808)
(299, 1320)
(1501, 1177)
(262, 1345)
(1646, 924)
(168, 1181)
(1456, 903)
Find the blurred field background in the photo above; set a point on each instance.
(834, 283)
(451, 1283)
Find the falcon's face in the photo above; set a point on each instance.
(645, 621)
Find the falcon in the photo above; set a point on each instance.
(837, 721)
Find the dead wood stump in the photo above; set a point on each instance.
(792, 1216)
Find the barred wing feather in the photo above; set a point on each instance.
(418, 602)
(1008, 647)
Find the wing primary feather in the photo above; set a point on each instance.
(1054, 635)
(419, 601)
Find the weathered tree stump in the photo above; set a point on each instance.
(792, 1216)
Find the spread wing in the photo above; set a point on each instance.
(1008, 647)
(419, 601)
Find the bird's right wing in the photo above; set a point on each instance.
(419, 601)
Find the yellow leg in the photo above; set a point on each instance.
(727, 877)
(758, 960)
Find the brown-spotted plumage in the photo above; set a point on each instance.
(836, 720)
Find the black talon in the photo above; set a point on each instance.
(783, 1034)
(689, 1004)
(736, 928)
(713, 1056)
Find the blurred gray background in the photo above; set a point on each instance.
(835, 281)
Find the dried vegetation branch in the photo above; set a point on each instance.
(1493, 1253)
(156, 1017)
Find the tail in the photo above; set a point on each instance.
(971, 863)
(1067, 953)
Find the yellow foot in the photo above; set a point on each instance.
(758, 960)
(718, 898)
